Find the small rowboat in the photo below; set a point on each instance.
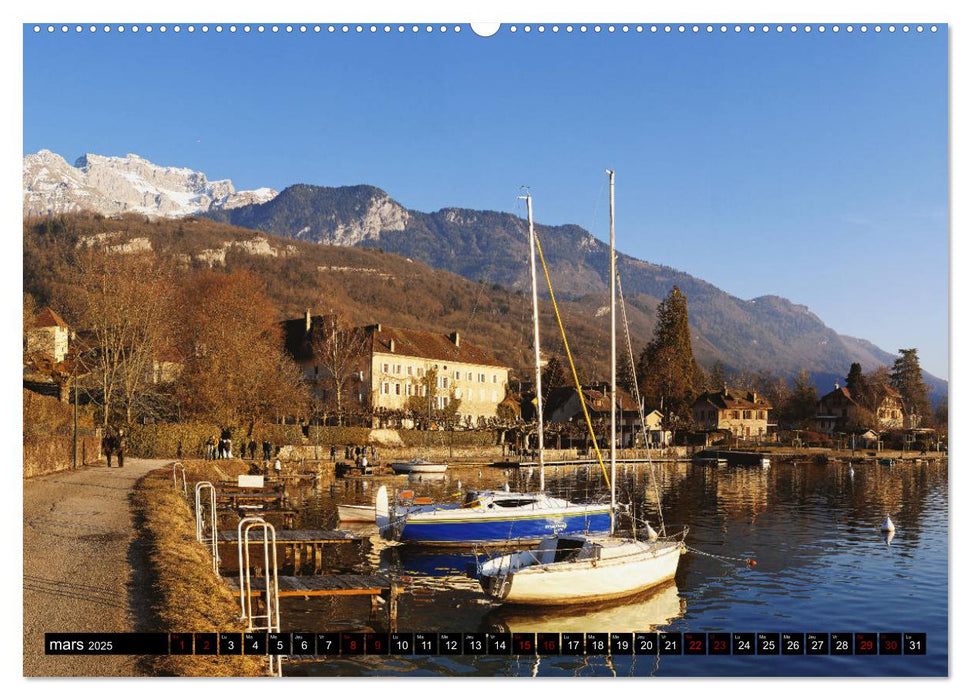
(418, 466)
(355, 514)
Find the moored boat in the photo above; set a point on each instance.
(572, 570)
(418, 465)
(488, 517)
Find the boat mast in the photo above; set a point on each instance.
(613, 362)
(539, 385)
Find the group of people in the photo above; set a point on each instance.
(113, 443)
(222, 448)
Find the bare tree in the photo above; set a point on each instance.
(339, 349)
(121, 303)
(236, 369)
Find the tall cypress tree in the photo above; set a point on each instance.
(855, 381)
(906, 378)
(667, 369)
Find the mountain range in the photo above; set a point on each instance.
(490, 248)
(129, 184)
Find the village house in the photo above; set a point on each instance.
(562, 405)
(400, 359)
(743, 414)
(48, 335)
(839, 412)
(394, 365)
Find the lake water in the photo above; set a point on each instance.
(822, 566)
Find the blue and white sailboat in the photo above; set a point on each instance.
(497, 517)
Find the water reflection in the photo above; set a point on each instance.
(646, 612)
(814, 530)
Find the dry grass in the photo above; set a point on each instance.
(188, 596)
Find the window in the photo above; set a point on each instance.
(735, 415)
(421, 371)
(458, 375)
(384, 388)
(495, 378)
(397, 369)
(385, 368)
(748, 415)
(445, 382)
(397, 389)
(410, 368)
(469, 377)
(407, 389)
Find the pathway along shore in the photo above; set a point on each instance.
(82, 568)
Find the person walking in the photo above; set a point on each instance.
(333, 453)
(120, 447)
(108, 446)
(252, 449)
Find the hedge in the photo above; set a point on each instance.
(162, 440)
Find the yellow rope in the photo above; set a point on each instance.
(569, 357)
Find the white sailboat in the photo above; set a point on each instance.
(418, 465)
(497, 517)
(568, 570)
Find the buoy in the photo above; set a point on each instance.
(887, 525)
(751, 562)
(458, 484)
(651, 534)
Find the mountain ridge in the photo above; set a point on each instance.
(489, 247)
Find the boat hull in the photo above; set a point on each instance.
(422, 468)
(518, 529)
(581, 582)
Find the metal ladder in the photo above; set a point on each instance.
(211, 539)
(270, 620)
(175, 478)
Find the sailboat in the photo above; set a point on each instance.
(496, 517)
(567, 570)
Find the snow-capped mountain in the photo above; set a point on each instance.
(130, 184)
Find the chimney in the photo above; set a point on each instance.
(377, 327)
(306, 321)
(837, 386)
(755, 397)
(725, 388)
(454, 337)
(391, 344)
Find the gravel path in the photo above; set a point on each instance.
(81, 565)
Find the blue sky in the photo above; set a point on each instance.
(809, 166)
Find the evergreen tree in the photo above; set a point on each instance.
(717, 377)
(667, 368)
(855, 381)
(906, 378)
(799, 410)
(553, 376)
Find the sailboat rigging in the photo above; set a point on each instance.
(572, 569)
(497, 517)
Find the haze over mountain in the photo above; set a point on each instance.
(768, 332)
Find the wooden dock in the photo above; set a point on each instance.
(302, 550)
(344, 585)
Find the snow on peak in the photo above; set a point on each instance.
(119, 184)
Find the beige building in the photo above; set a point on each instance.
(396, 364)
(840, 412)
(743, 414)
(401, 360)
(48, 335)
